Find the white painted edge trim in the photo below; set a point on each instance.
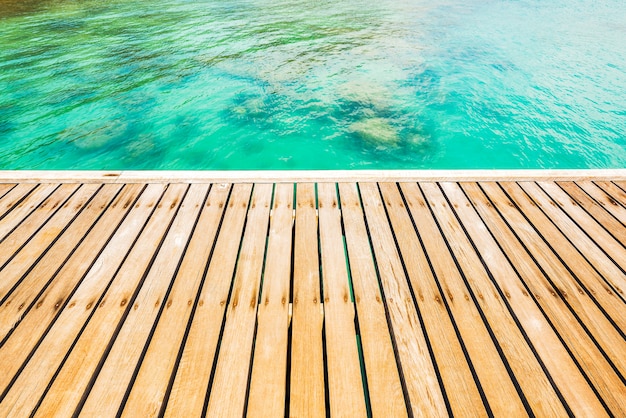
(200, 176)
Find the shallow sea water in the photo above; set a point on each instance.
(360, 84)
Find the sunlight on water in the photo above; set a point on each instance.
(259, 84)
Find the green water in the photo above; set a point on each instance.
(361, 84)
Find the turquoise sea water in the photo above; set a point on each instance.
(359, 84)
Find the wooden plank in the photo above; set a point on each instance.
(546, 341)
(49, 303)
(189, 390)
(24, 340)
(556, 302)
(90, 350)
(39, 243)
(578, 226)
(422, 386)
(496, 383)
(345, 385)
(307, 396)
(18, 302)
(533, 380)
(150, 387)
(268, 389)
(604, 294)
(563, 279)
(614, 189)
(605, 200)
(18, 237)
(228, 392)
(616, 228)
(461, 388)
(43, 355)
(114, 377)
(5, 188)
(79, 363)
(23, 208)
(13, 196)
(385, 390)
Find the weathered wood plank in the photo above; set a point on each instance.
(77, 359)
(228, 392)
(484, 276)
(425, 395)
(542, 397)
(13, 196)
(12, 243)
(605, 200)
(496, 383)
(307, 396)
(114, 377)
(189, 389)
(22, 208)
(615, 189)
(149, 389)
(345, 386)
(572, 385)
(268, 390)
(18, 302)
(97, 341)
(556, 303)
(24, 340)
(594, 210)
(590, 238)
(63, 281)
(38, 244)
(611, 301)
(383, 380)
(584, 303)
(461, 388)
(123, 302)
(5, 188)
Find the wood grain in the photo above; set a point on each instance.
(5, 188)
(45, 360)
(307, 396)
(22, 206)
(268, 382)
(62, 201)
(604, 200)
(491, 370)
(189, 389)
(455, 369)
(425, 394)
(174, 298)
(383, 379)
(34, 281)
(89, 350)
(576, 224)
(562, 306)
(12, 196)
(148, 391)
(595, 211)
(114, 376)
(345, 385)
(504, 321)
(586, 272)
(228, 392)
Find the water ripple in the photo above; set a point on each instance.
(258, 84)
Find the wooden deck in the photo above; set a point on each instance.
(410, 298)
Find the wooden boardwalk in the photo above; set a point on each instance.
(388, 299)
